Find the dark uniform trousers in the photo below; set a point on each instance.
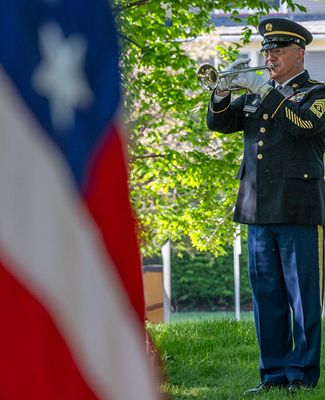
(285, 266)
(282, 200)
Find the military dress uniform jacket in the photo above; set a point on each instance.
(282, 171)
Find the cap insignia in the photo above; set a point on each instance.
(269, 27)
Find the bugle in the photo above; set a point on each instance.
(209, 78)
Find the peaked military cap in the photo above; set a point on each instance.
(281, 32)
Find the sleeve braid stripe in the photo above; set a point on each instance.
(297, 120)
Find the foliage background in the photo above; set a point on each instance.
(182, 175)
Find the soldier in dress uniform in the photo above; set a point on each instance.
(282, 200)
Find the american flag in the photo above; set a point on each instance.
(71, 295)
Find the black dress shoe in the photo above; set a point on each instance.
(261, 388)
(297, 385)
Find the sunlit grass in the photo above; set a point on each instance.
(211, 359)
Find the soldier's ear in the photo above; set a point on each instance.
(300, 53)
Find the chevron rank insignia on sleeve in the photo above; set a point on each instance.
(318, 107)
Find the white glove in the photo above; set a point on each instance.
(253, 82)
(226, 82)
(240, 63)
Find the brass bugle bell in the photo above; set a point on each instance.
(209, 78)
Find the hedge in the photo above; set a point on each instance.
(201, 282)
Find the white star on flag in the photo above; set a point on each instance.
(60, 75)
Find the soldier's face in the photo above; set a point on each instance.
(287, 62)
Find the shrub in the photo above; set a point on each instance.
(200, 281)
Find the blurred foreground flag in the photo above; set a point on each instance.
(71, 296)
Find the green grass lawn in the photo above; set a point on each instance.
(215, 359)
(191, 316)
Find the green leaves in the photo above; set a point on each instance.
(181, 175)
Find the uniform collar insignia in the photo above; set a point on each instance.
(299, 80)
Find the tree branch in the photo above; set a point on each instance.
(149, 156)
(129, 40)
(133, 4)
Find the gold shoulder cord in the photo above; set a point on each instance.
(276, 110)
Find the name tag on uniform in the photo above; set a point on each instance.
(250, 109)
